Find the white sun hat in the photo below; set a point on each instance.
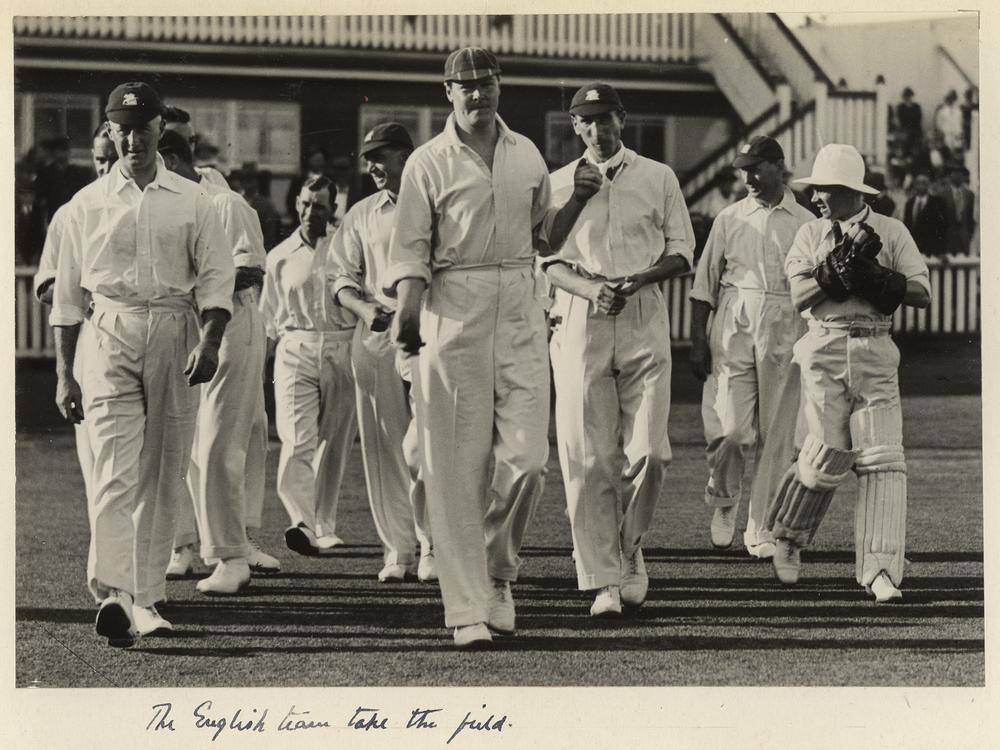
(839, 164)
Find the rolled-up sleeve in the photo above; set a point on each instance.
(242, 228)
(68, 298)
(908, 261)
(410, 243)
(708, 275)
(213, 288)
(677, 229)
(46, 272)
(346, 269)
(799, 264)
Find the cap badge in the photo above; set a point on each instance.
(370, 137)
(593, 95)
(745, 149)
(130, 100)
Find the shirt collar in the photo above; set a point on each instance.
(751, 204)
(382, 199)
(845, 223)
(164, 178)
(451, 132)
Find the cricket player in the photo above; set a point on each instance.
(751, 393)
(226, 476)
(149, 249)
(313, 384)
(848, 272)
(625, 229)
(104, 157)
(179, 121)
(470, 202)
(359, 254)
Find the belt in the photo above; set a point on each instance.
(857, 330)
(161, 304)
(342, 334)
(501, 264)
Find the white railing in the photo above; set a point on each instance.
(658, 37)
(778, 49)
(954, 308)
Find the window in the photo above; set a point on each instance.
(423, 123)
(42, 116)
(264, 132)
(676, 140)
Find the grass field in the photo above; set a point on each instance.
(712, 618)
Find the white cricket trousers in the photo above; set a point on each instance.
(481, 388)
(850, 396)
(383, 419)
(751, 399)
(140, 414)
(229, 454)
(84, 453)
(612, 377)
(315, 416)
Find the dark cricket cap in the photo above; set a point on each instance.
(595, 98)
(133, 104)
(470, 64)
(757, 149)
(386, 134)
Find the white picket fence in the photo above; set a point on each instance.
(660, 37)
(954, 308)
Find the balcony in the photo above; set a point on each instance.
(626, 37)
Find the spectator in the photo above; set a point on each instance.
(58, 180)
(925, 217)
(270, 220)
(346, 178)
(29, 226)
(881, 203)
(314, 164)
(909, 120)
(970, 105)
(948, 124)
(959, 204)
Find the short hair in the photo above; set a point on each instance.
(175, 114)
(316, 184)
(172, 142)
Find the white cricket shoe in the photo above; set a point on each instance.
(258, 560)
(426, 569)
(327, 543)
(762, 551)
(635, 580)
(884, 589)
(501, 616)
(393, 573)
(181, 562)
(473, 636)
(229, 577)
(116, 620)
(723, 526)
(150, 622)
(786, 561)
(607, 603)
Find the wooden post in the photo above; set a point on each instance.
(823, 131)
(881, 123)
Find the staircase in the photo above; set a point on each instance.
(779, 90)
